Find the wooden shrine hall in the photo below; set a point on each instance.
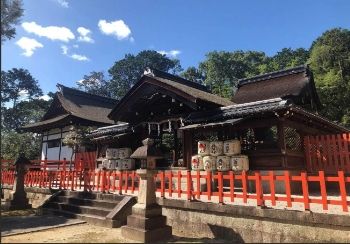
(270, 114)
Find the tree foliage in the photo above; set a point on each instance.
(127, 71)
(17, 84)
(14, 143)
(193, 74)
(95, 83)
(330, 63)
(222, 70)
(11, 12)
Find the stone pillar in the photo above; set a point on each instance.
(19, 196)
(146, 224)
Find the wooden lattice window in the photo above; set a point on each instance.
(292, 139)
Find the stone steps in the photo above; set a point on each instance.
(107, 210)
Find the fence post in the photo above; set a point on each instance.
(179, 183)
(258, 187)
(244, 186)
(305, 190)
(198, 184)
(272, 188)
(323, 190)
(220, 186)
(189, 185)
(209, 184)
(342, 190)
(170, 183)
(288, 191)
(232, 186)
(162, 184)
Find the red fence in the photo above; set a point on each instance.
(329, 153)
(89, 159)
(221, 187)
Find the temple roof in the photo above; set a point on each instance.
(295, 83)
(276, 107)
(74, 105)
(155, 82)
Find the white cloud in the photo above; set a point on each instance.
(64, 49)
(51, 32)
(63, 3)
(79, 57)
(84, 35)
(28, 45)
(74, 55)
(80, 81)
(170, 53)
(45, 97)
(116, 28)
(76, 46)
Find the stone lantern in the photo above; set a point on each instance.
(146, 223)
(19, 196)
(148, 154)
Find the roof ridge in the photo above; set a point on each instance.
(84, 94)
(274, 74)
(176, 78)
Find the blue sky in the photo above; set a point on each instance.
(50, 44)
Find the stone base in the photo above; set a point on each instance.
(146, 224)
(20, 206)
(147, 236)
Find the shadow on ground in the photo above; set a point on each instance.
(23, 224)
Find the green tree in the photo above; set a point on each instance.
(25, 112)
(11, 12)
(193, 74)
(13, 143)
(222, 70)
(95, 83)
(127, 71)
(17, 84)
(287, 58)
(330, 63)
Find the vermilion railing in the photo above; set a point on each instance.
(221, 187)
(329, 153)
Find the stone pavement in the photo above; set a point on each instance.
(25, 224)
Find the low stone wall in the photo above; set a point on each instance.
(36, 196)
(252, 224)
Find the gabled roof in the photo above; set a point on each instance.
(257, 109)
(191, 92)
(295, 83)
(77, 105)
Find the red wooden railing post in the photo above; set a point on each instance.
(244, 186)
(232, 186)
(189, 185)
(272, 188)
(258, 187)
(198, 184)
(162, 183)
(120, 182)
(342, 190)
(288, 189)
(126, 182)
(323, 190)
(209, 184)
(305, 190)
(220, 186)
(170, 183)
(179, 183)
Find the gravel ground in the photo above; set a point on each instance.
(85, 233)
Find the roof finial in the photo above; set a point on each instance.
(148, 71)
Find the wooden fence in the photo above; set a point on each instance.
(220, 187)
(329, 153)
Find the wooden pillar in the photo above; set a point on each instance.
(281, 141)
(187, 148)
(176, 144)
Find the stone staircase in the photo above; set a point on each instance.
(107, 210)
